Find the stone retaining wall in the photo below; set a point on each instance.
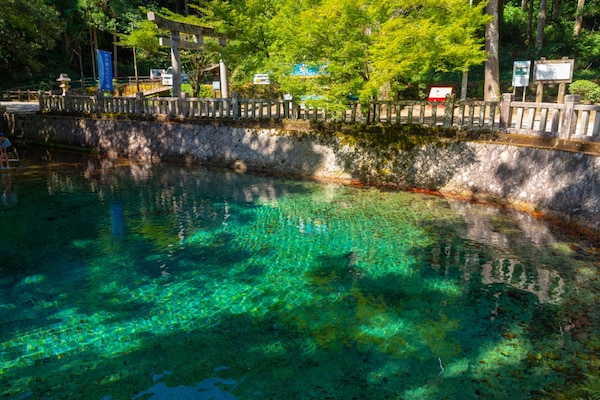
(560, 183)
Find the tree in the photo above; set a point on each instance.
(30, 29)
(539, 38)
(335, 37)
(247, 25)
(492, 64)
(417, 37)
(108, 17)
(578, 17)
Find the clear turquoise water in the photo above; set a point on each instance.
(165, 282)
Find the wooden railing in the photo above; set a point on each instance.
(19, 95)
(570, 120)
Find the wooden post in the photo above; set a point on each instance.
(99, 102)
(449, 110)
(539, 92)
(569, 119)
(505, 111)
(183, 105)
(235, 106)
(176, 43)
(139, 103)
(561, 93)
(175, 63)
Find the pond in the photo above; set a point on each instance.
(132, 281)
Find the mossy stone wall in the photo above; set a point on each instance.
(485, 167)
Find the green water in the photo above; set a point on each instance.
(165, 282)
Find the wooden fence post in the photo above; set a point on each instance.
(99, 102)
(569, 120)
(182, 104)
(235, 105)
(41, 102)
(139, 103)
(449, 110)
(505, 113)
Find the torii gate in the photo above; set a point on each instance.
(175, 44)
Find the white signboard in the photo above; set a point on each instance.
(262, 79)
(439, 93)
(521, 73)
(554, 71)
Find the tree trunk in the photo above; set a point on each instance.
(529, 24)
(555, 10)
(115, 58)
(94, 45)
(539, 38)
(578, 17)
(492, 65)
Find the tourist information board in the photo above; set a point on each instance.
(521, 72)
(553, 71)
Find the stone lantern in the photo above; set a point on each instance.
(65, 83)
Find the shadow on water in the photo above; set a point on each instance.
(211, 284)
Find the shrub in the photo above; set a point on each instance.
(595, 95)
(588, 90)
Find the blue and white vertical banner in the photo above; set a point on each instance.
(105, 70)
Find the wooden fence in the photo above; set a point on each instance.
(570, 120)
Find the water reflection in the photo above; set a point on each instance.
(8, 196)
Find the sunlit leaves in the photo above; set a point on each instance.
(424, 36)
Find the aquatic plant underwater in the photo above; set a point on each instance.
(143, 282)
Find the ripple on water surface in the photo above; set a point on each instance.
(159, 282)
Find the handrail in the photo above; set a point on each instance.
(570, 120)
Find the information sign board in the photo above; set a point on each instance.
(521, 73)
(439, 93)
(553, 71)
(262, 79)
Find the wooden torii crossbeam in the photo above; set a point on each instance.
(175, 43)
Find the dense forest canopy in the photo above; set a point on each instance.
(364, 48)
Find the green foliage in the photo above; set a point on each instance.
(143, 37)
(330, 33)
(205, 91)
(247, 26)
(587, 47)
(588, 90)
(29, 29)
(427, 35)
(372, 48)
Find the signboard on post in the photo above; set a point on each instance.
(439, 93)
(262, 79)
(521, 73)
(553, 71)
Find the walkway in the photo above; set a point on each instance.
(21, 107)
